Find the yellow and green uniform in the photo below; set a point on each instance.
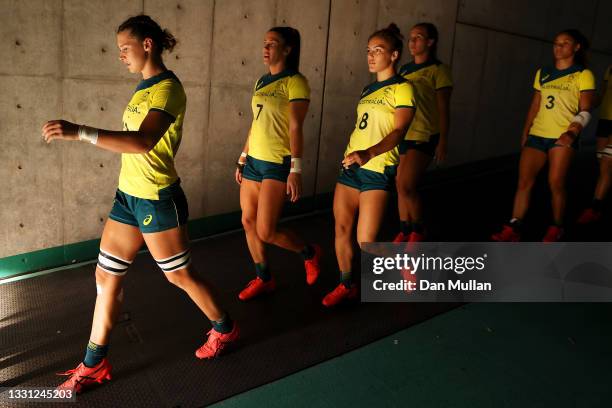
(375, 121)
(605, 110)
(604, 125)
(144, 174)
(427, 78)
(149, 194)
(269, 137)
(375, 118)
(559, 98)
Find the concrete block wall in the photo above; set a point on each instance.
(60, 60)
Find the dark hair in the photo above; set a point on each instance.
(392, 35)
(143, 26)
(580, 57)
(291, 38)
(432, 34)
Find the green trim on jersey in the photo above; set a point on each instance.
(147, 83)
(548, 74)
(375, 86)
(412, 66)
(269, 78)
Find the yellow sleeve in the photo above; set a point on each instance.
(587, 81)
(536, 82)
(443, 77)
(404, 95)
(168, 97)
(298, 89)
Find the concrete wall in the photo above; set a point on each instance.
(60, 60)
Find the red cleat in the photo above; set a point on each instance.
(313, 266)
(507, 234)
(339, 294)
(554, 234)
(588, 216)
(257, 287)
(401, 237)
(216, 342)
(84, 377)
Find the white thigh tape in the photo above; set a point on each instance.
(176, 262)
(113, 264)
(605, 152)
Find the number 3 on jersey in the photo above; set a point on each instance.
(551, 102)
(364, 121)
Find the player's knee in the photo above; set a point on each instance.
(342, 229)
(266, 233)
(557, 184)
(249, 223)
(525, 184)
(176, 268)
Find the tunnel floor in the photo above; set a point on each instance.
(303, 351)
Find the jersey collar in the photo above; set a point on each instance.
(147, 83)
(269, 78)
(412, 66)
(550, 73)
(375, 86)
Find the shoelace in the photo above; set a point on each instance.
(214, 342)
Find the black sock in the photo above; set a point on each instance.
(261, 269)
(597, 205)
(308, 252)
(223, 325)
(516, 224)
(94, 354)
(405, 227)
(345, 279)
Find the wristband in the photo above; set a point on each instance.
(296, 165)
(88, 134)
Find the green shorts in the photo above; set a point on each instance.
(168, 212)
(258, 170)
(604, 128)
(429, 148)
(365, 180)
(544, 144)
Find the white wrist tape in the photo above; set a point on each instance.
(88, 134)
(243, 154)
(296, 165)
(582, 118)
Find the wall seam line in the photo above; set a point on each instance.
(316, 176)
(209, 121)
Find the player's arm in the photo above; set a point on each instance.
(152, 128)
(531, 114)
(297, 114)
(402, 119)
(581, 120)
(242, 160)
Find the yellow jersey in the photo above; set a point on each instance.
(426, 78)
(144, 174)
(375, 119)
(605, 111)
(269, 137)
(560, 97)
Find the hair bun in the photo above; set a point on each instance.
(394, 29)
